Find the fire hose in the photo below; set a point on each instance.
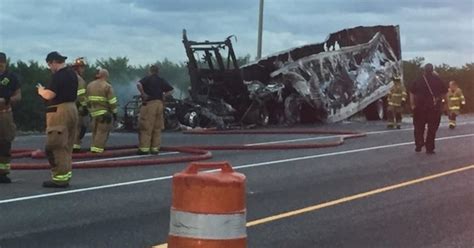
(194, 152)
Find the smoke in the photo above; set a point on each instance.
(125, 92)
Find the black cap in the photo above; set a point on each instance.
(3, 57)
(55, 56)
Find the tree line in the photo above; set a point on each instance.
(29, 114)
(463, 75)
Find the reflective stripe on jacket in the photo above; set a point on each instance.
(455, 99)
(397, 95)
(81, 92)
(101, 98)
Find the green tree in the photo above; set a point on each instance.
(176, 75)
(412, 69)
(30, 112)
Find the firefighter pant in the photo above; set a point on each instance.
(7, 135)
(423, 117)
(61, 123)
(101, 127)
(452, 117)
(394, 115)
(150, 124)
(81, 129)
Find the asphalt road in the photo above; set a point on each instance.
(373, 191)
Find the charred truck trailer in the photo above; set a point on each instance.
(345, 74)
(351, 71)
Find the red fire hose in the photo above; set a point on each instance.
(195, 152)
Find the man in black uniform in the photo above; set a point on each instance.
(61, 119)
(426, 95)
(10, 92)
(153, 89)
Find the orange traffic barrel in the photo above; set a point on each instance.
(208, 209)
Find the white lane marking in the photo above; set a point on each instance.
(122, 158)
(235, 167)
(340, 135)
(84, 189)
(343, 152)
(294, 140)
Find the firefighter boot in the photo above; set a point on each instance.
(76, 148)
(5, 179)
(452, 125)
(154, 150)
(143, 151)
(51, 184)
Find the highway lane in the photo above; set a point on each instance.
(435, 213)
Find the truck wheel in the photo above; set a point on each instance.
(263, 117)
(375, 111)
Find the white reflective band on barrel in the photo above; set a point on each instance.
(208, 226)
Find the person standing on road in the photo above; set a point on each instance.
(79, 67)
(426, 95)
(10, 93)
(61, 119)
(455, 102)
(396, 98)
(102, 104)
(153, 89)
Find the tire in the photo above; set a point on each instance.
(375, 111)
(263, 117)
(293, 105)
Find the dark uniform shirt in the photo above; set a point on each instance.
(8, 84)
(154, 86)
(423, 97)
(64, 84)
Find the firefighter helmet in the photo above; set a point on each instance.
(79, 62)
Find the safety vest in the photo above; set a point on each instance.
(397, 95)
(455, 99)
(101, 98)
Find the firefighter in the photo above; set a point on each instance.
(396, 98)
(153, 89)
(102, 104)
(61, 119)
(426, 95)
(455, 102)
(10, 92)
(79, 67)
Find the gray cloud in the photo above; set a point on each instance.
(146, 31)
(187, 6)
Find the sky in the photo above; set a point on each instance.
(146, 31)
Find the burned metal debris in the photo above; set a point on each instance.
(329, 81)
(337, 78)
(217, 86)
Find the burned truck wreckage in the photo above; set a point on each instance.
(338, 78)
(350, 72)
